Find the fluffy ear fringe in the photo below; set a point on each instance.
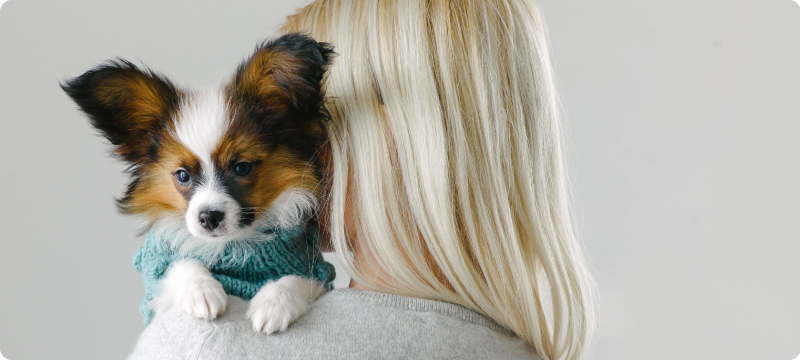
(286, 74)
(125, 104)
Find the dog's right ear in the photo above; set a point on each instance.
(126, 104)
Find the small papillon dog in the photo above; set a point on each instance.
(220, 163)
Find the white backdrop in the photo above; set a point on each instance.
(682, 115)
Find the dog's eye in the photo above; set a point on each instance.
(243, 168)
(182, 176)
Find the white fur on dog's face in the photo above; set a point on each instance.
(212, 199)
(200, 126)
(233, 156)
(204, 127)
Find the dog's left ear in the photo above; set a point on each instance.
(284, 77)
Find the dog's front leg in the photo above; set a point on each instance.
(280, 302)
(191, 287)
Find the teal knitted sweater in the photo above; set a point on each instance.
(242, 267)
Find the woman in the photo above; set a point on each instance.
(448, 200)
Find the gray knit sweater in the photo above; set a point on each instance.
(343, 324)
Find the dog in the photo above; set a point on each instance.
(219, 165)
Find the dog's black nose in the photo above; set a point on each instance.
(210, 219)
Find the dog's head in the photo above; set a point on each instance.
(224, 160)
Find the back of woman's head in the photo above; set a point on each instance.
(447, 161)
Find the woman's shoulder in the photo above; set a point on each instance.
(346, 324)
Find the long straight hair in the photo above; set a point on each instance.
(447, 161)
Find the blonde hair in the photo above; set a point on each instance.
(445, 138)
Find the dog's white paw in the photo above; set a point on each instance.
(277, 304)
(189, 286)
(203, 298)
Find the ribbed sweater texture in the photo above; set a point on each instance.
(243, 267)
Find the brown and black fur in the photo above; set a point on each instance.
(276, 113)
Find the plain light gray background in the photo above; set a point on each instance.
(683, 124)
